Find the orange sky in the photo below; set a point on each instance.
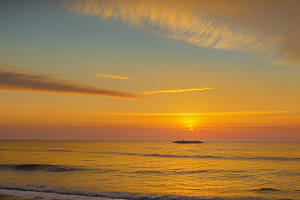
(149, 69)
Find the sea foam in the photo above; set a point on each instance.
(48, 192)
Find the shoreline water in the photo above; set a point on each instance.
(18, 192)
(33, 195)
(14, 197)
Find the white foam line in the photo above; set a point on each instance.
(50, 196)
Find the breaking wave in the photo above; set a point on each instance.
(38, 167)
(87, 194)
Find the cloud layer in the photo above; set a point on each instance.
(266, 28)
(176, 90)
(11, 80)
(113, 77)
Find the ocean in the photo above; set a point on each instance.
(152, 169)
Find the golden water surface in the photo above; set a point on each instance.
(211, 169)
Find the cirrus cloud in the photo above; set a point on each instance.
(175, 90)
(265, 28)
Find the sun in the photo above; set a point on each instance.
(191, 129)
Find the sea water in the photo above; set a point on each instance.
(152, 169)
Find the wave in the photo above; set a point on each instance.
(165, 156)
(148, 172)
(219, 157)
(273, 158)
(87, 194)
(177, 156)
(266, 190)
(205, 156)
(38, 167)
(59, 150)
(233, 173)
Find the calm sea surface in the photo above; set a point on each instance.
(212, 169)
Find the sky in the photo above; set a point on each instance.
(219, 70)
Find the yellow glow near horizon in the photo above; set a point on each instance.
(49, 117)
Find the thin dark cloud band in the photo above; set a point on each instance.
(25, 81)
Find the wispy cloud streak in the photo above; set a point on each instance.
(26, 81)
(114, 77)
(267, 28)
(175, 90)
